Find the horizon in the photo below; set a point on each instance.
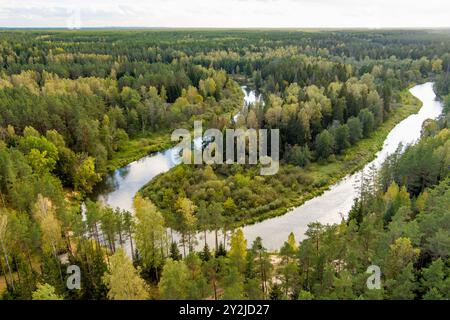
(232, 14)
(387, 28)
(196, 151)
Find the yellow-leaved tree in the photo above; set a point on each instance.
(123, 280)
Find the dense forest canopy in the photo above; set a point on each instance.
(74, 102)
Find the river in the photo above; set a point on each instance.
(327, 208)
(120, 186)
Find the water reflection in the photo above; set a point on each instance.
(119, 188)
(337, 201)
(330, 207)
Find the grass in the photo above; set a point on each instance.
(139, 147)
(148, 143)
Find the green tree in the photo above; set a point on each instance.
(197, 285)
(50, 227)
(122, 279)
(212, 269)
(275, 292)
(174, 278)
(3, 235)
(41, 153)
(400, 255)
(404, 284)
(186, 220)
(300, 156)
(150, 234)
(324, 144)
(175, 252)
(216, 212)
(91, 260)
(45, 292)
(204, 219)
(232, 283)
(238, 250)
(85, 176)
(367, 122)
(354, 130)
(259, 267)
(435, 283)
(342, 138)
(305, 295)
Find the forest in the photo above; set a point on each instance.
(75, 105)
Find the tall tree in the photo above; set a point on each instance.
(50, 227)
(238, 250)
(150, 234)
(186, 220)
(342, 137)
(123, 280)
(3, 230)
(174, 278)
(324, 144)
(354, 130)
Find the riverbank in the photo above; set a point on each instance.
(326, 174)
(152, 142)
(272, 196)
(139, 147)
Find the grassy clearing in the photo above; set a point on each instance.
(149, 143)
(139, 147)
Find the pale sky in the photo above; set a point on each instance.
(225, 13)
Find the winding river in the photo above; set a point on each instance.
(327, 208)
(119, 187)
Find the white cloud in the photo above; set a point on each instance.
(231, 13)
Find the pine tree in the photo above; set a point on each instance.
(197, 285)
(221, 252)
(175, 252)
(259, 266)
(275, 292)
(232, 283)
(434, 281)
(404, 284)
(206, 253)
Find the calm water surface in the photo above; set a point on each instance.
(327, 208)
